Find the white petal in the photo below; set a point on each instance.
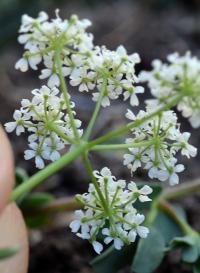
(105, 231)
(163, 175)
(179, 168)
(107, 240)
(19, 129)
(34, 61)
(28, 154)
(130, 115)
(53, 80)
(106, 172)
(22, 65)
(128, 159)
(75, 225)
(142, 231)
(98, 247)
(17, 114)
(118, 243)
(54, 156)
(134, 100)
(132, 236)
(39, 162)
(126, 95)
(144, 198)
(10, 126)
(146, 190)
(174, 179)
(105, 102)
(139, 89)
(83, 87)
(45, 73)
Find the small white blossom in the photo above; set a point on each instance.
(110, 213)
(19, 124)
(180, 75)
(160, 139)
(46, 107)
(35, 151)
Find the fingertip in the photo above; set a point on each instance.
(13, 234)
(6, 168)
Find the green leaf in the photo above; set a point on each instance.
(35, 200)
(6, 253)
(20, 176)
(149, 253)
(182, 241)
(167, 227)
(36, 221)
(29, 206)
(190, 254)
(112, 260)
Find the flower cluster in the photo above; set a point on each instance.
(111, 72)
(109, 212)
(87, 66)
(179, 77)
(40, 116)
(42, 38)
(160, 139)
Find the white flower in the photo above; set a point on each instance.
(180, 75)
(132, 95)
(18, 124)
(35, 152)
(85, 80)
(118, 243)
(173, 177)
(135, 220)
(160, 139)
(46, 107)
(186, 148)
(141, 194)
(27, 21)
(118, 220)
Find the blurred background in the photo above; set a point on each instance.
(153, 28)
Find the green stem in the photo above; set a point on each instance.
(66, 95)
(52, 168)
(135, 123)
(152, 213)
(89, 170)
(60, 133)
(95, 113)
(121, 146)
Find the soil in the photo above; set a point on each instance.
(152, 31)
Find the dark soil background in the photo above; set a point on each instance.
(153, 29)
